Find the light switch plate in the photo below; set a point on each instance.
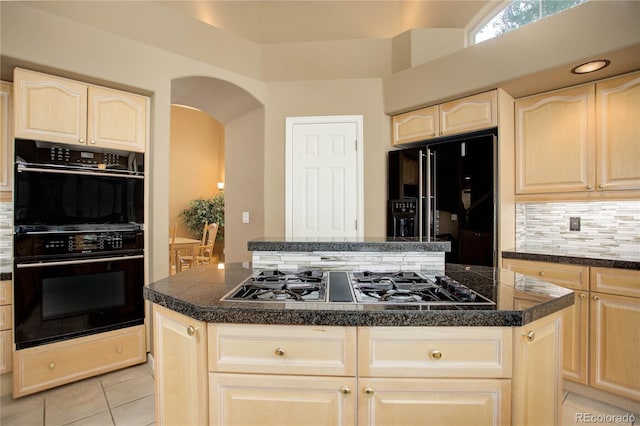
(245, 217)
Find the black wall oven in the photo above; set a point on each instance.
(78, 242)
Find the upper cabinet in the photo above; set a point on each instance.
(462, 115)
(6, 141)
(56, 109)
(581, 142)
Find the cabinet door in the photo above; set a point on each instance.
(117, 120)
(537, 372)
(6, 138)
(618, 133)
(49, 108)
(471, 113)
(180, 349)
(615, 344)
(434, 402)
(272, 400)
(575, 339)
(555, 150)
(415, 125)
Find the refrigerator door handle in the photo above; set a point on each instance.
(428, 195)
(433, 182)
(419, 198)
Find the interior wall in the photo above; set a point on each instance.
(245, 183)
(327, 97)
(196, 161)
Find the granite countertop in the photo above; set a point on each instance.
(573, 257)
(348, 244)
(197, 293)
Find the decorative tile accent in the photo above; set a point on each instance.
(607, 228)
(350, 261)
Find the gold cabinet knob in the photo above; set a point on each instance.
(541, 273)
(345, 390)
(368, 391)
(191, 331)
(279, 352)
(596, 297)
(52, 366)
(436, 354)
(601, 186)
(119, 349)
(582, 295)
(589, 187)
(530, 335)
(81, 140)
(93, 142)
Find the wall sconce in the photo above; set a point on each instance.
(220, 186)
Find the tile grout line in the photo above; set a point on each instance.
(104, 392)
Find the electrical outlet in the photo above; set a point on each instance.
(574, 223)
(245, 217)
(454, 217)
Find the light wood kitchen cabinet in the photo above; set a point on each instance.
(618, 133)
(468, 114)
(537, 395)
(601, 339)
(279, 400)
(555, 149)
(180, 350)
(46, 366)
(580, 143)
(415, 126)
(405, 401)
(298, 374)
(459, 116)
(6, 325)
(6, 141)
(55, 109)
(575, 330)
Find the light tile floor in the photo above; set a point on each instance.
(125, 398)
(120, 398)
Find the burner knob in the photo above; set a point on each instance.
(279, 352)
(436, 354)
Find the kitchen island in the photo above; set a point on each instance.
(227, 362)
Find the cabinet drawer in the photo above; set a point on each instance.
(6, 317)
(568, 276)
(282, 349)
(623, 282)
(51, 365)
(6, 288)
(434, 352)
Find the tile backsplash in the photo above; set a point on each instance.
(6, 236)
(607, 228)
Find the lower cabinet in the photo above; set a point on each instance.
(180, 356)
(305, 375)
(398, 401)
(46, 366)
(276, 400)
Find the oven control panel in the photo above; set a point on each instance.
(51, 244)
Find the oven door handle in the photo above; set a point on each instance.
(78, 262)
(23, 168)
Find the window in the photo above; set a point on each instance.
(519, 13)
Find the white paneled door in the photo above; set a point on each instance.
(323, 179)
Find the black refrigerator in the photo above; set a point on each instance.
(446, 191)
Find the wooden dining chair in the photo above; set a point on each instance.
(205, 251)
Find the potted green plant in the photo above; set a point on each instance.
(205, 210)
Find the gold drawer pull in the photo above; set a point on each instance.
(279, 352)
(119, 349)
(541, 273)
(52, 366)
(530, 335)
(596, 297)
(368, 391)
(191, 331)
(345, 390)
(436, 354)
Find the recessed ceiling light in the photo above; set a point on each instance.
(591, 66)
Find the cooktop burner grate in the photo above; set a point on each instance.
(279, 286)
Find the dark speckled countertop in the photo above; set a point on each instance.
(572, 258)
(197, 293)
(348, 244)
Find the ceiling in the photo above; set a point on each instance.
(267, 22)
